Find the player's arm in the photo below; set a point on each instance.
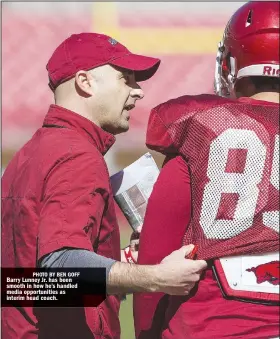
(167, 217)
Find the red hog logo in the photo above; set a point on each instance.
(267, 272)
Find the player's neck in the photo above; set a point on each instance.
(267, 96)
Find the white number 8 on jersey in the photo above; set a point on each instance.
(244, 184)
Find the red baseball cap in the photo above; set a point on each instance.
(89, 50)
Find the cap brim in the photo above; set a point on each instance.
(144, 67)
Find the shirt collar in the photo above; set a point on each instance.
(63, 117)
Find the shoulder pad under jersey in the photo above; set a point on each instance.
(166, 118)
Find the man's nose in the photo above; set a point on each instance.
(137, 92)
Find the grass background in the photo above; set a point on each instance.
(126, 318)
(126, 310)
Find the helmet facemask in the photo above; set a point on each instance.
(225, 72)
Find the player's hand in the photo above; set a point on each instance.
(132, 248)
(134, 243)
(177, 275)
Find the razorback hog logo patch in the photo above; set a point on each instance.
(267, 272)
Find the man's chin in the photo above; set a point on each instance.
(122, 129)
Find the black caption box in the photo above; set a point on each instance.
(55, 287)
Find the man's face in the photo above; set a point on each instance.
(115, 94)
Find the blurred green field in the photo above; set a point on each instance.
(126, 311)
(126, 318)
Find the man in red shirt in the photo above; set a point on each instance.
(57, 203)
(219, 187)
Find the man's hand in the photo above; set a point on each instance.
(175, 275)
(134, 245)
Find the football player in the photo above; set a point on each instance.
(219, 189)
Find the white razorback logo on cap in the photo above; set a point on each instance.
(112, 41)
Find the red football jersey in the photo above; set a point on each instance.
(205, 314)
(232, 149)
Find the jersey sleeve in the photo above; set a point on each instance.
(170, 123)
(167, 217)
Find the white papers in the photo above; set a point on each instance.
(133, 186)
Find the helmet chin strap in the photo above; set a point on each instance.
(232, 78)
(232, 74)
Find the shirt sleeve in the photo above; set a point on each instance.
(74, 197)
(167, 217)
(77, 258)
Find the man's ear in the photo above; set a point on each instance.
(244, 87)
(82, 83)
